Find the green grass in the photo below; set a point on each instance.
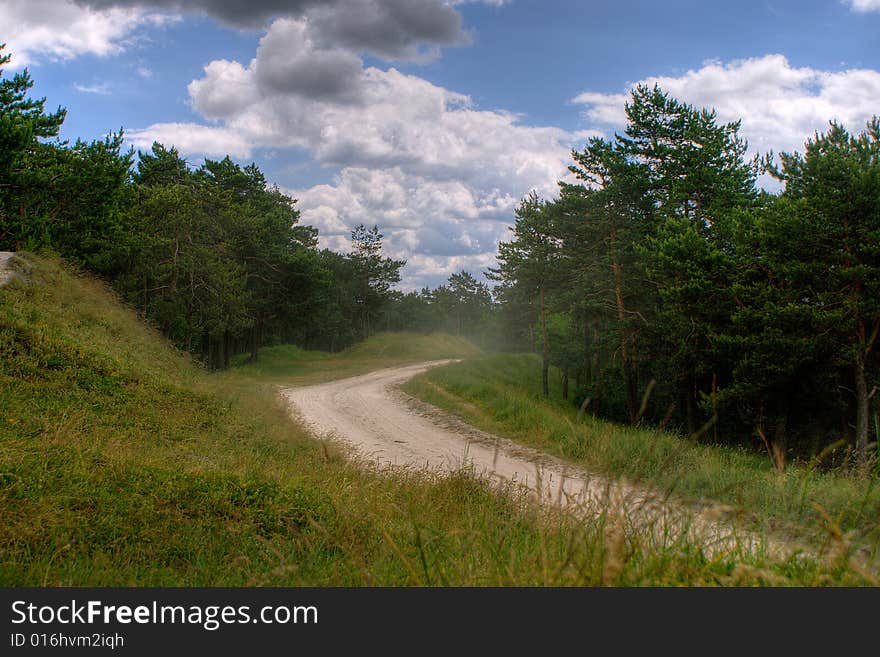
(501, 394)
(123, 463)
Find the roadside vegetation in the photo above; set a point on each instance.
(142, 440)
(124, 463)
(502, 394)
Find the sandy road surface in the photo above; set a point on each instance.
(384, 425)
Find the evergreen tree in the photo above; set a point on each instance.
(836, 186)
(527, 267)
(374, 275)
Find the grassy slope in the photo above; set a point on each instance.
(502, 394)
(121, 463)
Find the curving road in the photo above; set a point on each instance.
(386, 426)
(382, 424)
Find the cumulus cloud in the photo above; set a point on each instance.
(369, 117)
(205, 140)
(448, 221)
(780, 105)
(440, 176)
(239, 13)
(49, 29)
(410, 30)
(864, 6)
(390, 29)
(288, 61)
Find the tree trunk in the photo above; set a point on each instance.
(565, 384)
(690, 405)
(862, 403)
(255, 341)
(632, 401)
(596, 374)
(227, 347)
(206, 348)
(545, 364)
(778, 442)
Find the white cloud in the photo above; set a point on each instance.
(409, 30)
(438, 175)
(438, 226)
(780, 105)
(865, 6)
(372, 117)
(35, 30)
(191, 138)
(427, 270)
(405, 30)
(102, 89)
(145, 72)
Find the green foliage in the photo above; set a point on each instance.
(660, 281)
(52, 193)
(214, 257)
(373, 276)
(677, 287)
(501, 394)
(23, 121)
(122, 464)
(463, 306)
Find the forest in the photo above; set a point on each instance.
(663, 284)
(674, 290)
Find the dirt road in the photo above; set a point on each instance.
(384, 425)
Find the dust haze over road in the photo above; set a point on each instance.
(383, 425)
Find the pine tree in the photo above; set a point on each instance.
(527, 267)
(374, 275)
(836, 184)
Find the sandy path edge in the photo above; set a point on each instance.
(382, 424)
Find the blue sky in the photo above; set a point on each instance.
(427, 117)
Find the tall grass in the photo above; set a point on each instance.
(501, 394)
(123, 463)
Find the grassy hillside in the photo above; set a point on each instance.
(122, 463)
(502, 394)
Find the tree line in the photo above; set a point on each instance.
(213, 256)
(662, 282)
(673, 290)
